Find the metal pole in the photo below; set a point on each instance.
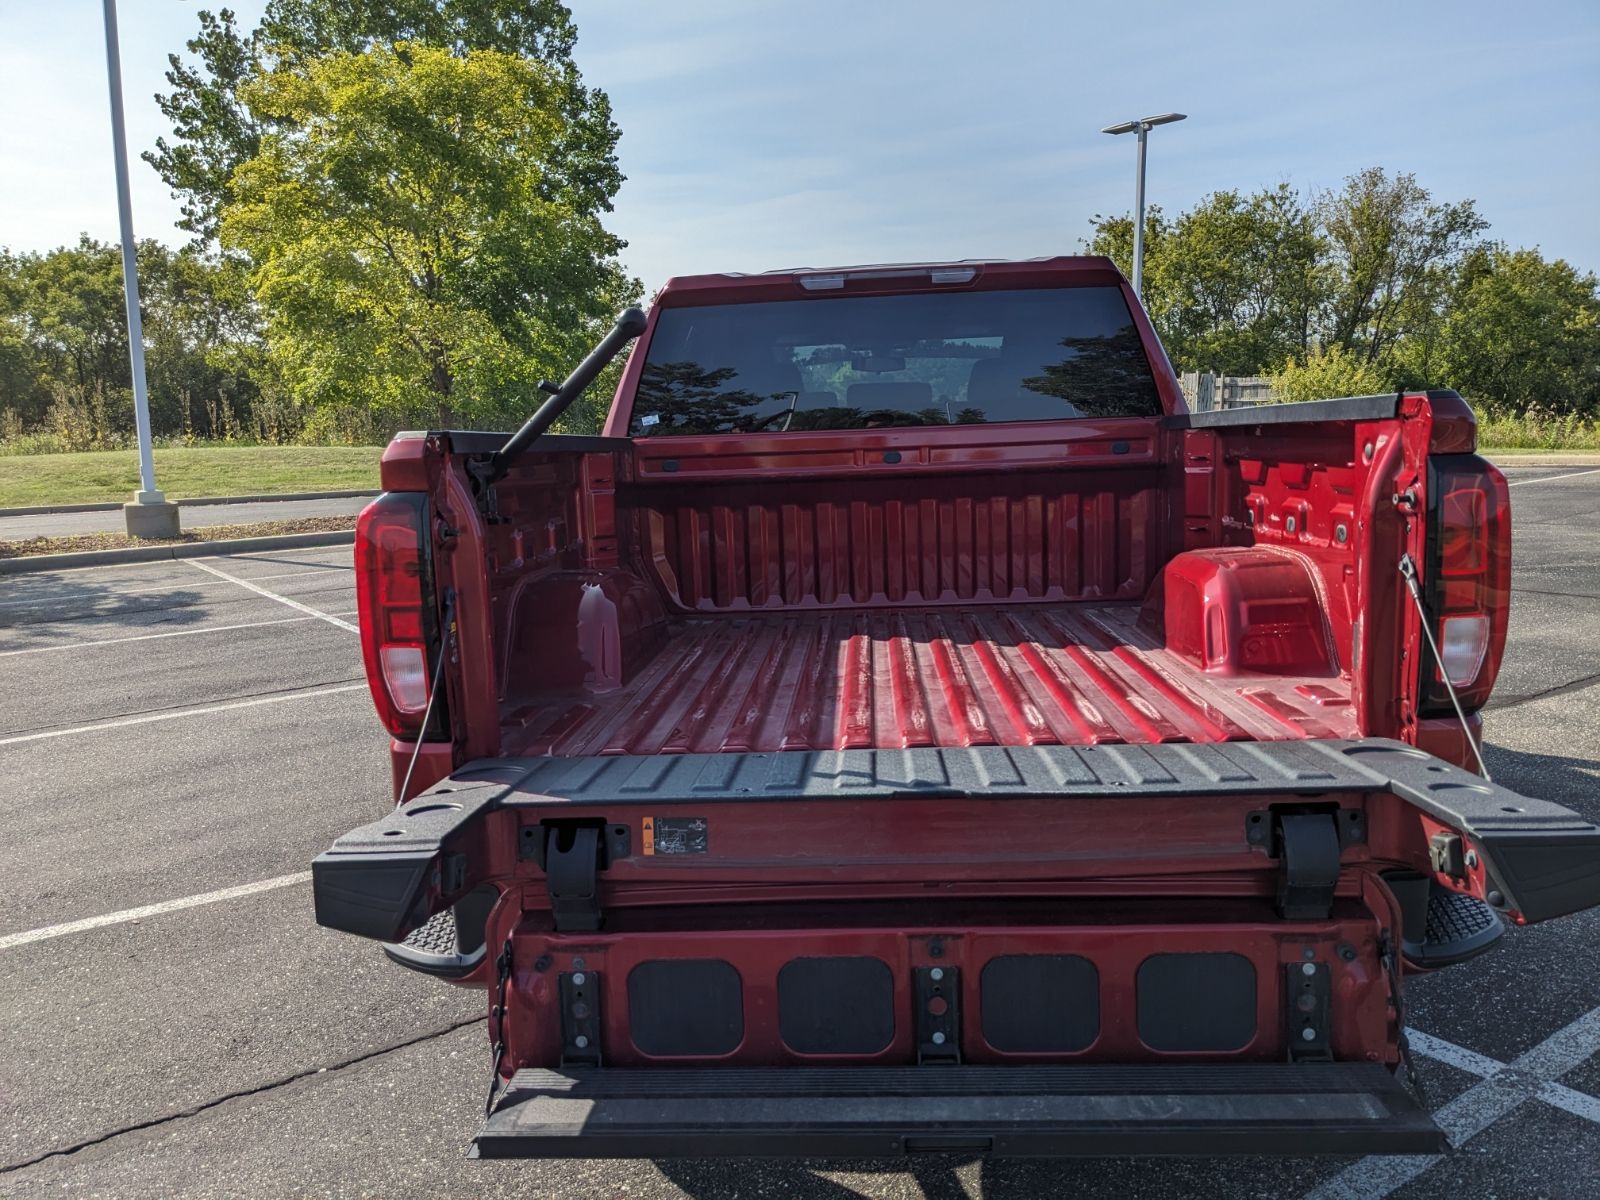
(1138, 214)
(147, 493)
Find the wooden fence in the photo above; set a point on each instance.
(1205, 390)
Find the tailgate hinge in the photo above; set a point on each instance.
(1308, 846)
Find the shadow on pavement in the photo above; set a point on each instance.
(936, 1178)
(51, 599)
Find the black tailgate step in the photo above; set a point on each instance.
(870, 1112)
(1459, 927)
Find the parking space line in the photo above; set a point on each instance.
(148, 718)
(1503, 1090)
(150, 637)
(1579, 1104)
(271, 595)
(1453, 1055)
(57, 601)
(297, 574)
(12, 940)
(1553, 478)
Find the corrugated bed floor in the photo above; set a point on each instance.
(1068, 674)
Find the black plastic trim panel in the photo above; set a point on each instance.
(1035, 1111)
(1347, 408)
(471, 441)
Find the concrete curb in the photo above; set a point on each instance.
(138, 554)
(40, 510)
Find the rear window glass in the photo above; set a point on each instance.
(865, 362)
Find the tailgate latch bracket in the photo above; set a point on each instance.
(572, 876)
(1309, 992)
(937, 994)
(580, 1018)
(1308, 846)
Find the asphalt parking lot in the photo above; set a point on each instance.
(172, 731)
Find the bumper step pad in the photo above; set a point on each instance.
(1034, 1111)
(433, 948)
(1459, 927)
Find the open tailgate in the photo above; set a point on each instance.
(1529, 859)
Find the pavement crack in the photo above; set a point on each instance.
(1560, 689)
(244, 1093)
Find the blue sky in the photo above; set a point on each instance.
(759, 135)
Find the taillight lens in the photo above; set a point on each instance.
(1469, 581)
(394, 597)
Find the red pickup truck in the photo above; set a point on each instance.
(908, 728)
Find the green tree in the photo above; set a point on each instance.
(407, 244)
(1326, 373)
(1394, 253)
(64, 339)
(1523, 333)
(1233, 285)
(216, 128)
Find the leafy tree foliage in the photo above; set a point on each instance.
(1370, 287)
(1522, 334)
(64, 341)
(216, 129)
(1394, 252)
(415, 233)
(1326, 372)
(1233, 283)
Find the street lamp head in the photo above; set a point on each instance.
(1145, 122)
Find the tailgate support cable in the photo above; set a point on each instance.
(433, 689)
(502, 967)
(1408, 569)
(1391, 967)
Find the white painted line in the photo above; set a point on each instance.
(1579, 1104)
(270, 595)
(11, 940)
(1553, 478)
(150, 637)
(1506, 1088)
(117, 594)
(148, 718)
(296, 574)
(1453, 1055)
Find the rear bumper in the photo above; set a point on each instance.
(875, 1112)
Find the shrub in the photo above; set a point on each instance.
(1327, 373)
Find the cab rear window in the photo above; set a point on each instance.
(863, 362)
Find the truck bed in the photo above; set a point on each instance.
(1064, 674)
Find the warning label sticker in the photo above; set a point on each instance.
(675, 835)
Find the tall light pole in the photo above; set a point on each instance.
(1142, 127)
(150, 515)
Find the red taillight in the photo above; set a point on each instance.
(1469, 584)
(393, 594)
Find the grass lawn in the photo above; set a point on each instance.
(113, 475)
(205, 533)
